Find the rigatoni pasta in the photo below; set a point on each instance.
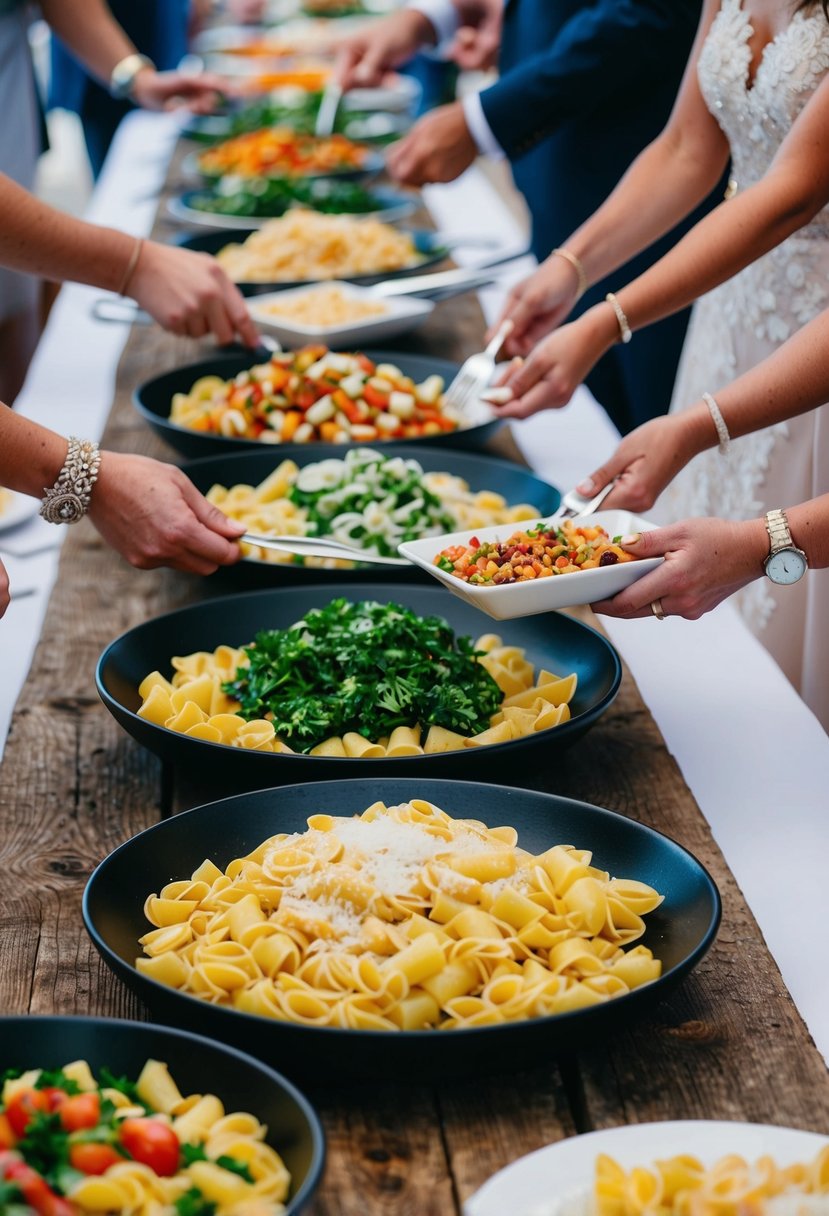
(401, 918)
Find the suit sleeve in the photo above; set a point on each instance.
(603, 50)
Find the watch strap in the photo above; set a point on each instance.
(777, 527)
(124, 74)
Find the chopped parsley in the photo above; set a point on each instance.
(367, 668)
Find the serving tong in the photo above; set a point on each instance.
(318, 546)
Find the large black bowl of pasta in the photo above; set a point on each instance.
(153, 399)
(164, 1060)
(417, 929)
(526, 661)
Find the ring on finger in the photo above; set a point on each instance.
(657, 610)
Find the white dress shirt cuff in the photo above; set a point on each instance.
(479, 128)
(443, 16)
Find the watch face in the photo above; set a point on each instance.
(786, 567)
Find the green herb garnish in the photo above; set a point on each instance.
(193, 1203)
(367, 668)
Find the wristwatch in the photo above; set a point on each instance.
(785, 564)
(124, 74)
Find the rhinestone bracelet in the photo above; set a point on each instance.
(68, 499)
(719, 422)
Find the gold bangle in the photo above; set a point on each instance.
(578, 266)
(131, 265)
(625, 334)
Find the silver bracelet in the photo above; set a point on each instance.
(625, 334)
(719, 423)
(68, 499)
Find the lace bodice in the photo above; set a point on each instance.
(757, 118)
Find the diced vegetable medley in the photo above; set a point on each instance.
(540, 552)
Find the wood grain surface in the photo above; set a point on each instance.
(728, 1044)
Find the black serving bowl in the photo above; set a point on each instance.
(197, 1066)
(514, 482)
(679, 932)
(554, 641)
(431, 247)
(153, 400)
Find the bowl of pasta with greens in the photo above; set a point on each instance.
(402, 927)
(284, 685)
(99, 1115)
(373, 500)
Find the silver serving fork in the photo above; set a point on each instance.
(476, 373)
(327, 113)
(320, 546)
(573, 503)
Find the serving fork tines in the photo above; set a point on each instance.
(476, 372)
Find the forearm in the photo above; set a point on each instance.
(91, 32)
(809, 526)
(636, 214)
(41, 241)
(30, 455)
(717, 248)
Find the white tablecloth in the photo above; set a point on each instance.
(754, 756)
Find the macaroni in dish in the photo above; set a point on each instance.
(401, 918)
(304, 245)
(325, 306)
(73, 1144)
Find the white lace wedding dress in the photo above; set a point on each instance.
(739, 324)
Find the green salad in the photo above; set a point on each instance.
(270, 198)
(367, 668)
(370, 501)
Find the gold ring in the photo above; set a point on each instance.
(656, 609)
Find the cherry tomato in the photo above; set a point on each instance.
(7, 1136)
(152, 1143)
(55, 1097)
(93, 1158)
(80, 1112)
(23, 1106)
(36, 1192)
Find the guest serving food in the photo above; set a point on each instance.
(304, 245)
(72, 1144)
(314, 393)
(401, 918)
(362, 680)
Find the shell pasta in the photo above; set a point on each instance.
(732, 1186)
(401, 918)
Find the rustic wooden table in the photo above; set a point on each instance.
(728, 1044)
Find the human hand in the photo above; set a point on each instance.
(648, 459)
(246, 12)
(189, 293)
(154, 516)
(172, 90)
(538, 304)
(5, 594)
(476, 44)
(706, 560)
(363, 60)
(556, 367)
(437, 149)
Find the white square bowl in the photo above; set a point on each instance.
(512, 600)
(402, 313)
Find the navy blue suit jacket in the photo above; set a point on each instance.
(584, 87)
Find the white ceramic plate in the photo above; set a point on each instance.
(401, 314)
(21, 509)
(536, 1184)
(545, 594)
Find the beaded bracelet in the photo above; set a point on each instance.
(68, 499)
(719, 423)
